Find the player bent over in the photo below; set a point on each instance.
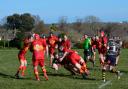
(75, 59)
(56, 63)
(110, 61)
(38, 47)
(22, 59)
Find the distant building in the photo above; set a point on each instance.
(7, 34)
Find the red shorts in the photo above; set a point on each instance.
(21, 57)
(74, 58)
(37, 62)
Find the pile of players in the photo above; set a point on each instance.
(61, 54)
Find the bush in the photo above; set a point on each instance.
(16, 43)
(4, 43)
(125, 42)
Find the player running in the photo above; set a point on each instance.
(38, 47)
(22, 59)
(87, 50)
(102, 47)
(110, 61)
(52, 43)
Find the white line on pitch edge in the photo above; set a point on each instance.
(104, 84)
(108, 82)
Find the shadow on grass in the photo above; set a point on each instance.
(6, 75)
(13, 76)
(58, 74)
(84, 78)
(70, 76)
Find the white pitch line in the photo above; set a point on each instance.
(89, 83)
(108, 82)
(104, 84)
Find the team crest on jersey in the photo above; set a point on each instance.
(38, 47)
(52, 41)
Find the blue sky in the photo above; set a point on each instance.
(51, 10)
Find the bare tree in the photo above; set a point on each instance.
(78, 25)
(62, 23)
(93, 24)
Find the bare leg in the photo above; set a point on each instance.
(45, 72)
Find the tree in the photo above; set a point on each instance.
(37, 19)
(53, 27)
(20, 24)
(92, 19)
(39, 27)
(27, 22)
(14, 21)
(93, 23)
(78, 25)
(23, 22)
(62, 23)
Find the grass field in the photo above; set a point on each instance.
(61, 80)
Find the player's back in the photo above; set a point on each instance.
(113, 48)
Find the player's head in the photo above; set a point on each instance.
(97, 38)
(43, 36)
(85, 36)
(60, 39)
(36, 36)
(102, 33)
(51, 34)
(65, 37)
(94, 37)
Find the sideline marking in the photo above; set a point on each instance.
(104, 84)
(108, 82)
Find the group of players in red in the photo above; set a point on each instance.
(60, 53)
(109, 51)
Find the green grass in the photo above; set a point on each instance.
(62, 80)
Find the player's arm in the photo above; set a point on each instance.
(56, 42)
(47, 50)
(64, 55)
(105, 41)
(56, 45)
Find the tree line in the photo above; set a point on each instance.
(22, 25)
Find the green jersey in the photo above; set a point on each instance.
(87, 43)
